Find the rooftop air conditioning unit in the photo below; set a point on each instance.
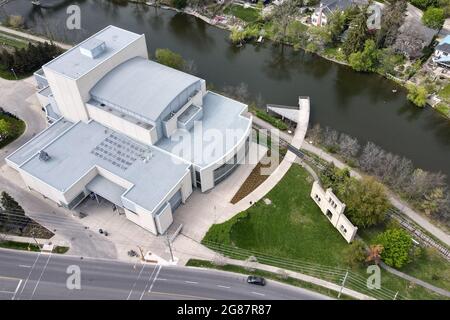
(44, 156)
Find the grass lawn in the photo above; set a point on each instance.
(267, 275)
(19, 246)
(10, 41)
(18, 127)
(30, 246)
(293, 227)
(246, 14)
(445, 92)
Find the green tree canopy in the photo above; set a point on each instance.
(366, 201)
(357, 33)
(5, 128)
(170, 58)
(179, 4)
(397, 247)
(365, 60)
(433, 17)
(417, 95)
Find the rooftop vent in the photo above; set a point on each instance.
(44, 156)
(92, 48)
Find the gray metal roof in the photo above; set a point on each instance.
(221, 115)
(106, 189)
(142, 86)
(74, 64)
(86, 145)
(32, 147)
(288, 113)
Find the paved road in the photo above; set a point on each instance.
(28, 275)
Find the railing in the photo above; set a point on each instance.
(334, 275)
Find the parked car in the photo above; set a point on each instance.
(260, 281)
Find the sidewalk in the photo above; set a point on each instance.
(32, 37)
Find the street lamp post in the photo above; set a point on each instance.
(15, 75)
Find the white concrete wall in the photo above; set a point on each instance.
(80, 185)
(122, 125)
(143, 219)
(329, 203)
(41, 187)
(164, 219)
(206, 174)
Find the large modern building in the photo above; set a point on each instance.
(134, 132)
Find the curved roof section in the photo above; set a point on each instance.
(142, 86)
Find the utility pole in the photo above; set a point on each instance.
(142, 253)
(170, 247)
(343, 283)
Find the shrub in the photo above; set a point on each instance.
(169, 58)
(397, 247)
(277, 123)
(15, 21)
(433, 18)
(417, 95)
(355, 254)
(179, 4)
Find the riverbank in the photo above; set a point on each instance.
(229, 27)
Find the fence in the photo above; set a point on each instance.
(423, 238)
(350, 279)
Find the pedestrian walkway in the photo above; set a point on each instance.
(32, 37)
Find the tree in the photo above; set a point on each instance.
(348, 146)
(397, 247)
(336, 24)
(433, 18)
(357, 33)
(375, 253)
(5, 128)
(170, 58)
(417, 95)
(392, 18)
(179, 4)
(423, 4)
(366, 201)
(365, 60)
(332, 177)
(355, 253)
(330, 139)
(282, 16)
(315, 133)
(388, 60)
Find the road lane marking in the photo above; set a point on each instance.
(17, 289)
(40, 277)
(260, 294)
(179, 295)
(220, 286)
(147, 282)
(24, 266)
(156, 276)
(161, 279)
(135, 281)
(193, 282)
(29, 274)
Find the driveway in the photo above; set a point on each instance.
(18, 97)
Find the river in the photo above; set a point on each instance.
(362, 105)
